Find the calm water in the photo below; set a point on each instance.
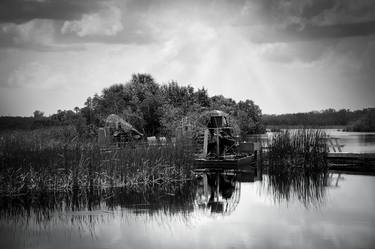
(214, 211)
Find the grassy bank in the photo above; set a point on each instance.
(56, 159)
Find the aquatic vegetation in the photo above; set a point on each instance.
(29, 163)
(297, 166)
(305, 148)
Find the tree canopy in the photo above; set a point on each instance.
(156, 109)
(152, 108)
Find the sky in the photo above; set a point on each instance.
(287, 55)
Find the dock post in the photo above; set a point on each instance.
(205, 143)
(217, 143)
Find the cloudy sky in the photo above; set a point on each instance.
(286, 55)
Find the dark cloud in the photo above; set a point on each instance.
(272, 21)
(304, 52)
(143, 21)
(20, 11)
(316, 7)
(308, 32)
(313, 32)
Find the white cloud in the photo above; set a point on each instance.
(106, 22)
(35, 32)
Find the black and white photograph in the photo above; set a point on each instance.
(139, 124)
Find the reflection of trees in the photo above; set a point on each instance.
(218, 192)
(307, 187)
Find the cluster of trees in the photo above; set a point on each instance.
(157, 109)
(354, 120)
(152, 108)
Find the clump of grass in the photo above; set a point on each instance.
(297, 166)
(305, 148)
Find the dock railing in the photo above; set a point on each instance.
(333, 143)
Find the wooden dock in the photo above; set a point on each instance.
(355, 162)
(346, 155)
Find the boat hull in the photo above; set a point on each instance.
(244, 163)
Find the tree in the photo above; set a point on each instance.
(249, 117)
(38, 114)
(219, 102)
(171, 116)
(201, 97)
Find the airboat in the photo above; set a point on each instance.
(218, 145)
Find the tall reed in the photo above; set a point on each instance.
(30, 162)
(305, 148)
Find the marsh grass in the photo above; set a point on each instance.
(304, 148)
(57, 160)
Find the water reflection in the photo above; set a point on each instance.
(91, 205)
(308, 188)
(218, 192)
(211, 193)
(216, 210)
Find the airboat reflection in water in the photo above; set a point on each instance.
(217, 192)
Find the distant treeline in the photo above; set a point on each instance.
(360, 120)
(153, 108)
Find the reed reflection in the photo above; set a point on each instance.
(90, 206)
(210, 193)
(309, 188)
